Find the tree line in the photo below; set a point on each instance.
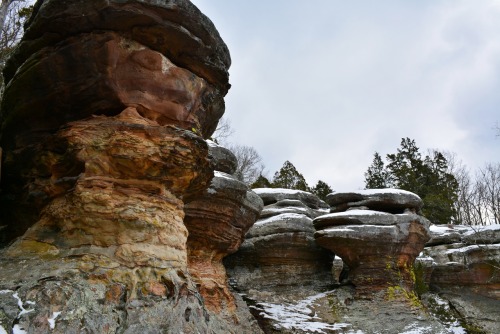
(250, 168)
(451, 194)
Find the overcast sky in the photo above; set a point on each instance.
(326, 83)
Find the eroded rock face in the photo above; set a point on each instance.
(279, 256)
(103, 125)
(462, 263)
(117, 69)
(217, 222)
(378, 247)
(464, 256)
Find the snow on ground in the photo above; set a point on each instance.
(212, 143)
(21, 306)
(416, 328)
(355, 228)
(18, 330)
(462, 249)
(443, 307)
(298, 316)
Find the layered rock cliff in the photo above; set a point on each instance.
(104, 119)
(392, 266)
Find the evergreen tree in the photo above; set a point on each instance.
(261, 182)
(405, 168)
(321, 190)
(428, 178)
(376, 176)
(288, 177)
(441, 189)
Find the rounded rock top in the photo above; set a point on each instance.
(274, 195)
(385, 200)
(175, 28)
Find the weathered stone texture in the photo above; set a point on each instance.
(103, 121)
(279, 255)
(217, 222)
(378, 247)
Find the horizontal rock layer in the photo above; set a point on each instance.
(176, 29)
(217, 222)
(386, 200)
(279, 255)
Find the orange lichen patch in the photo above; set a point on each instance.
(114, 294)
(155, 288)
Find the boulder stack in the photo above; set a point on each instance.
(378, 235)
(466, 256)
(279, 254)
(217, 222)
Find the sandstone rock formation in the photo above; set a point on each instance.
(104, 116)
(378, 247)
(217, 222)
(145, 62)
(463, 264)
(465, 256)
(279, 253)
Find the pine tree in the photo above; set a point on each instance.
(441, 189)
(427, 177)
(261, 182)
(405, 168)
(376, 175)
(322, 189)
(288, 177)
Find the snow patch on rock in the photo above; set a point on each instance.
(52, 319)
(298, 316)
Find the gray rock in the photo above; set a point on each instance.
(274, 195)
(489, 234)
(290, 206)
(52, 296)
(279, 250)
(446, 234)
(386, 200)
(222, 159)
(470, 235)
(355, 217)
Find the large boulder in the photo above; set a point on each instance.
(217, 222)
(467, 256)
(103, 121)
(462, 263)
(385, 200)
(378, 247)
(175, 28)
